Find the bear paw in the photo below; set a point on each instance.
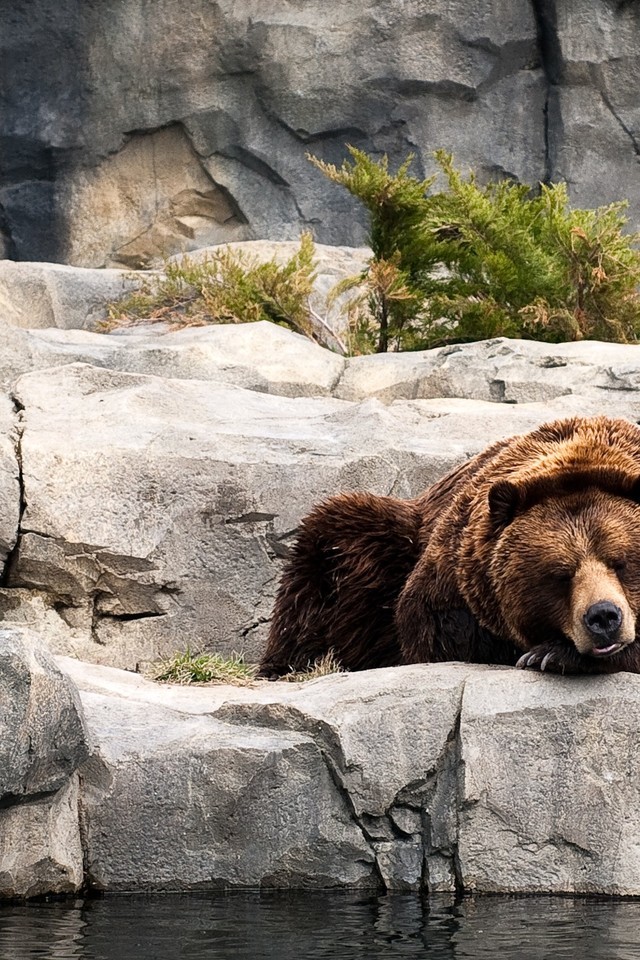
(543, 658)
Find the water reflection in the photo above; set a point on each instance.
(319, 926)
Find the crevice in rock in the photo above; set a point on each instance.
(126, 617)
(551, 61)
(254, 163)
(252, 518)
(458, 766)
(254, 625)
(12, 556)
(342, 134)
(26, 799)
(607, 102)
(275, 543)
(93, 776)
(7, 243)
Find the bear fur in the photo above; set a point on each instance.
(514, 557)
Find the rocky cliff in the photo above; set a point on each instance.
(130, 130)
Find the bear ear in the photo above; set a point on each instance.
(504, 497)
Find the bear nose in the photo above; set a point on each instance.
(603, 619)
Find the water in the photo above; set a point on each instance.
(319, 926)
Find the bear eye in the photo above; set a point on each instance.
(563, 576)
(619, 566)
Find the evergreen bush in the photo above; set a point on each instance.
(475, 261)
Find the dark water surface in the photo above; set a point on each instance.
(319, 926)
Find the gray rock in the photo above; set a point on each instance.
(43, 739)
(258, 356)
(550, 788)
(182, 801)
(500, 370)
(386, 732)
(40, 848)
(181, 130)
(355, 751)
(41, 295)
(594, 122)
(389, 736)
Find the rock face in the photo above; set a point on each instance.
(442, 778)
(132, 132)
(446, 777)
(43, 742)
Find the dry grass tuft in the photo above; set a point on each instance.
(321, 667)
(192, 668)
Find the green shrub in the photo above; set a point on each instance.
(474, 261)
(226, 287)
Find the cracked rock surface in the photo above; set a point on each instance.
(129, 136)
(436, 777)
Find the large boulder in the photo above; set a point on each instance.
(40, 846)
(550, 792)
(179, 800)
(317, 784)
(42, 295)
(258, 356)
(43, 737)
(501, 371)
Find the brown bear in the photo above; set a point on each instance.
(529, 554)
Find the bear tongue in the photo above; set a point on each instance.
(605, 651)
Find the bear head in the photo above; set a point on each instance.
(564, 557)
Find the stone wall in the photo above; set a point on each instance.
(131, 130)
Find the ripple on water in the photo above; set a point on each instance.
(319, 926)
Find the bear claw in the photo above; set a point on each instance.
(536, 658)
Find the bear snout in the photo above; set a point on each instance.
(603, 621)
